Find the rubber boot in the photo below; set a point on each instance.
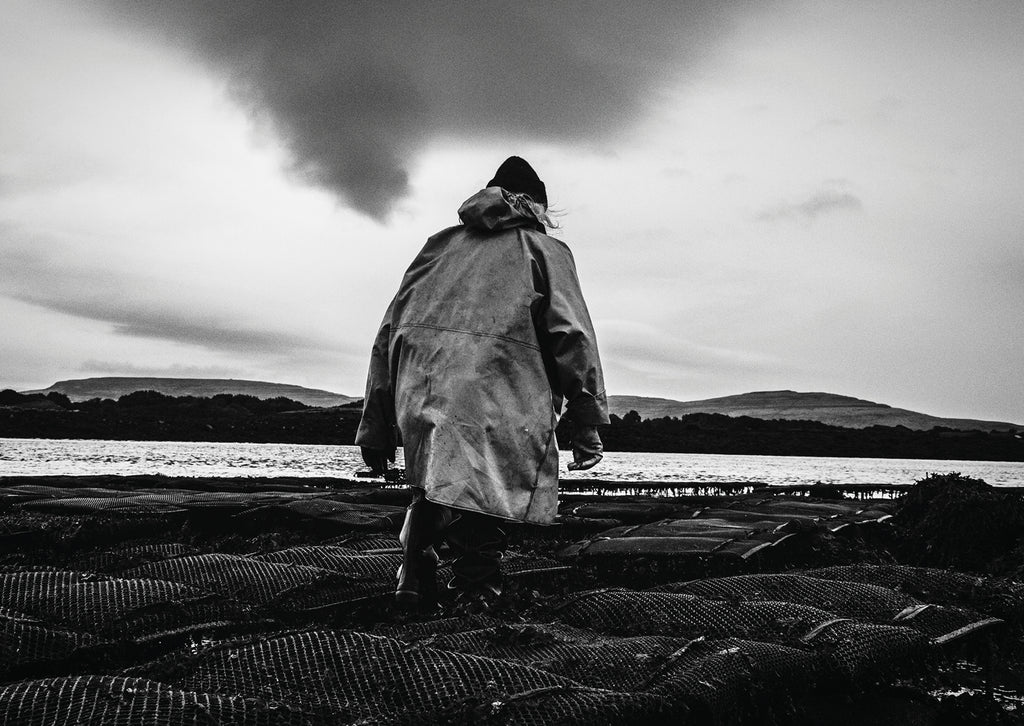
(478, 544)
(417, 580)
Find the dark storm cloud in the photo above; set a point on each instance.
(140, 307)
(823, 202)
(355, 89)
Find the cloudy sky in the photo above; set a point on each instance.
(821, 196)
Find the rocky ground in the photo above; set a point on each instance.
(178, 601)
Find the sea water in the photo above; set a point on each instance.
(52, 457)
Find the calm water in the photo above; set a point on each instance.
(42, 457)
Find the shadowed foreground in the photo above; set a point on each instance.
(146, 600)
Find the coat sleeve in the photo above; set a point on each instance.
(567, 339)
(377, 425)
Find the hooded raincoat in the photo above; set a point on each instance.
(487, 336)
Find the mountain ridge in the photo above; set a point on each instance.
(830, 408)
(82, 389)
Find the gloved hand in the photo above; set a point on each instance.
(587, 449)
(377, 459)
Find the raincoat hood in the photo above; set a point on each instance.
(493, 209)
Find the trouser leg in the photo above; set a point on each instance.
(478, 543)
(424, 523)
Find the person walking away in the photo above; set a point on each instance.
(485, 340)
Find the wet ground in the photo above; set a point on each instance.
(164, 601)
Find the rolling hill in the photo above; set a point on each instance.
(85, 388)
(828, 408)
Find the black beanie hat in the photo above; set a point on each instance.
(517, 176)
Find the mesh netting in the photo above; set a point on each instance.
(351, 676)
(256, 581)
(37, 536)
(143, 582)
(860, 650)
(341, 559)
(26, 641)
(226, 501)
(365, 542)
(19, 587)
(125, 506)
(112, 607)
(122, 558)
(990, 595)
(115, 701)
(846, 599)
(714, 677)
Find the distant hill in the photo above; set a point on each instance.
(85, 388)
(828, 408)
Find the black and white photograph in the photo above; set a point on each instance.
(578, 363)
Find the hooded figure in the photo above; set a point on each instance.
(487, 337)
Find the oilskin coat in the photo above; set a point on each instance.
(487, 336)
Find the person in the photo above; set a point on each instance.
(486, 338)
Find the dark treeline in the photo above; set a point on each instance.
(713, 433)
(147, 415)
(152, 416)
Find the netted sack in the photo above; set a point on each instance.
(121, 558)
(845, 599)
(268, 585)
(121, 607)
(946, 624)
(866, 651)
(852, 653)
(115, 701)
(629, 612)
(352, 676)
(120, 506)
(19, 586)
(326, 556)
(223, 501)
(602, 661)
(367, 542)
(339, 559)
(990, 595)
(27, 643)
(720, 680)
(733, 681)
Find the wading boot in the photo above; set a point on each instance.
(417, 580)
(478, 544)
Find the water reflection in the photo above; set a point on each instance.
(644, 471)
